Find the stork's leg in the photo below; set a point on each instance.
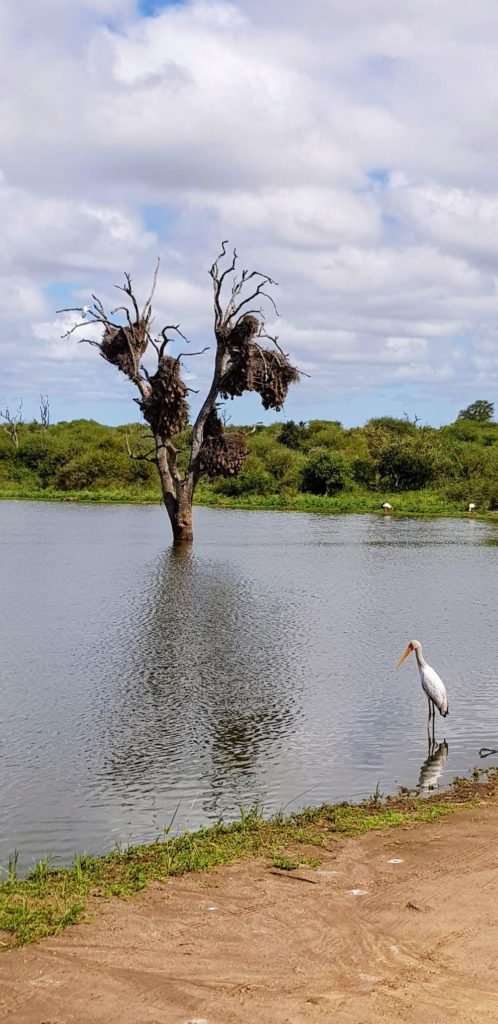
(433, 720)
(429, 719)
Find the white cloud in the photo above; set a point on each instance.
(461, 221)
(57, 236)
(347, 150)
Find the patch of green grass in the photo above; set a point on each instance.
(111, 496)
(285, 863)
(406, 504)
(312, 862)
(48, 900)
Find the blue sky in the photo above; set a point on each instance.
(150, 7)
(332, 144)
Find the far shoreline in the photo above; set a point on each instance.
(351, 504)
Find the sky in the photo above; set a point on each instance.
(349, 151)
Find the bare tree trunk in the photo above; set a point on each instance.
(177, 496)
(181, 521)
(179, 510)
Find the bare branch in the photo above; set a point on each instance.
(140, 456)
(214, 269)
(246, 276)
(166, 340)
(85, 323)
(99, 307)
(259, 291)
(74, 328)
(128, 290)
(173, 327)
(199, 353)
(214, 274)
(229, 269)
(274, 339)
(148, 305)
(70, 309)
(251, 312)
(86, 341)
(126, 311)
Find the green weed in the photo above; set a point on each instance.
(285, 863)
(49, 899)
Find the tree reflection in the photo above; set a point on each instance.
(203, 693)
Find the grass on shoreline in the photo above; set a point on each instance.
(407, 503)
(48, 900)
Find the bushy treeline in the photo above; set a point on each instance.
(387, 456)
(78, 456)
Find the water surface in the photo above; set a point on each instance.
(136, 682)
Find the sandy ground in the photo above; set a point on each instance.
(400, 926)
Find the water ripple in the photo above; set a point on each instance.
(259, 667)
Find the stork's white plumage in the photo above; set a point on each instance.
(432, 684)
(471, 507)
(387, 507)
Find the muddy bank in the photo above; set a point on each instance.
(397, 925)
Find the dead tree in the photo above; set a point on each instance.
(242, 363)
(13, 420)
(44, 411)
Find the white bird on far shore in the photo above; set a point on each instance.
(387, 507)
(471, 507)
(432, 685)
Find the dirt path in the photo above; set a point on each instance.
(243, 946)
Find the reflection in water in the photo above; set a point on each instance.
(432, 768)
(203, 688)
(257, 666)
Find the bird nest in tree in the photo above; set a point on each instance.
(125, 346)
(259, 369)
(221, 454)
(166, 407)
(244, 331)
(253, 368)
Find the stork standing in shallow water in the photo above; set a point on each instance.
(432, 685)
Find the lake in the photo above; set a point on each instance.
(140, 687)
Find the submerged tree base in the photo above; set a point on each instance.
(49, 900)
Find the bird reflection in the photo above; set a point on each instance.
(432, 768)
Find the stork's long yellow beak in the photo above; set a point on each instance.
(404, 656)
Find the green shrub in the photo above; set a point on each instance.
(324, 473)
